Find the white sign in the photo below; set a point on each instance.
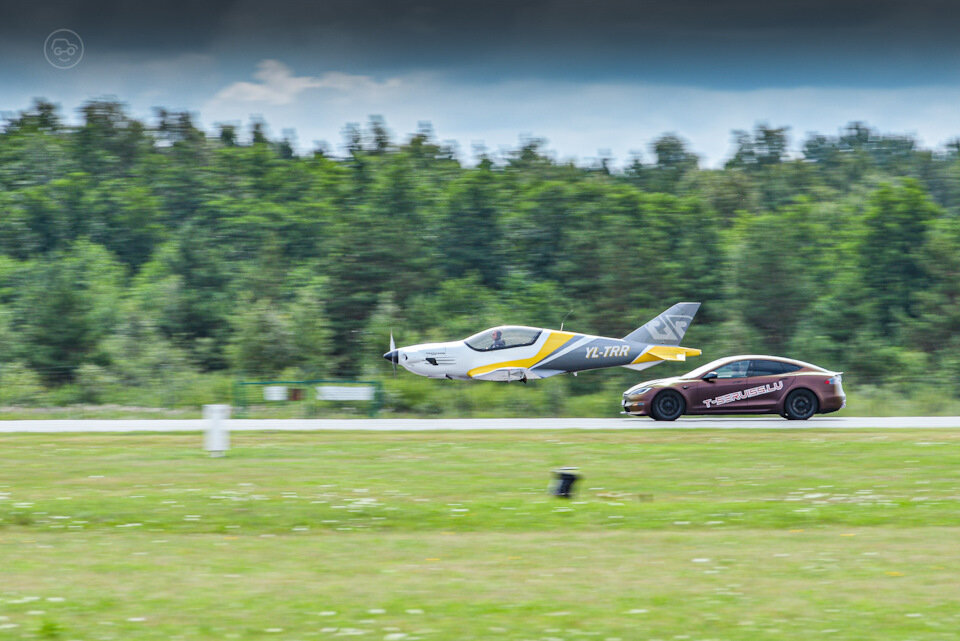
(275, 393)
(346, 393)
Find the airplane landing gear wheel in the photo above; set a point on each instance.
(668, 405)
(800, 405)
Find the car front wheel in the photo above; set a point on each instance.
(668, 405)
(800, 405)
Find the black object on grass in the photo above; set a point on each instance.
(565, 477)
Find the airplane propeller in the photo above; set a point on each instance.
(393, 355)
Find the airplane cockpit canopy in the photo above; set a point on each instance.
(510, 336)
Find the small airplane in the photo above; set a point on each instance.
(518, 353)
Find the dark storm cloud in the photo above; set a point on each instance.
(743, 44)
(125, 26)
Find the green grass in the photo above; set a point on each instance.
(476, 400)
(595, 394)
(917, 400)
(701, 534)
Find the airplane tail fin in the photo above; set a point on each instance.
(666, 329)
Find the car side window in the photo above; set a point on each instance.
(766, 368)
(736, 369)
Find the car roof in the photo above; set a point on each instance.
(768, 357)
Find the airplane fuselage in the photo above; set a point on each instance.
(545, 352)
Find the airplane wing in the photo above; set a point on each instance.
(516, 374)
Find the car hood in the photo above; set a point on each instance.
(656, 382)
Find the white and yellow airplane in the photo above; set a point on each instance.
(518, 353)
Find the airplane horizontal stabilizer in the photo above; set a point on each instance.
(659, 353)
(672, 353)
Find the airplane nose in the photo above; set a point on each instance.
(393, 356)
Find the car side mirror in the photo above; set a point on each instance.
(709, 376)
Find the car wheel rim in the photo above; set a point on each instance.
(801, 405)
(669, 405)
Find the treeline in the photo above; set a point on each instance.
(132, 251)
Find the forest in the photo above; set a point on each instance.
(151, 263)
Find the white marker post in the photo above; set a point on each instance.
(216, 436)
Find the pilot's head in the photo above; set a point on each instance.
(496, 334)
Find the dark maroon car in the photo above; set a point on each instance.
(740, 385)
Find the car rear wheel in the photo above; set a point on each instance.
(801, 404)
(668, 405)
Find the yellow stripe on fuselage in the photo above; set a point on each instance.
(554, 341)
(666, 353)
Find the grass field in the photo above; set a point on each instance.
(674, 535)
(418, 397)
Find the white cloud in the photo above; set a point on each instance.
(577, 118)
(278, 86)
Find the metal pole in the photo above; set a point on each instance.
(216, 436)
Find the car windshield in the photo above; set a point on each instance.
(503, 338)
(703, 369)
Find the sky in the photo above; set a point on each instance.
(594, 78)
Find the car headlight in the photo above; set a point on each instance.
(637, 393)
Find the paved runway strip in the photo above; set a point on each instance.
(434, 424)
